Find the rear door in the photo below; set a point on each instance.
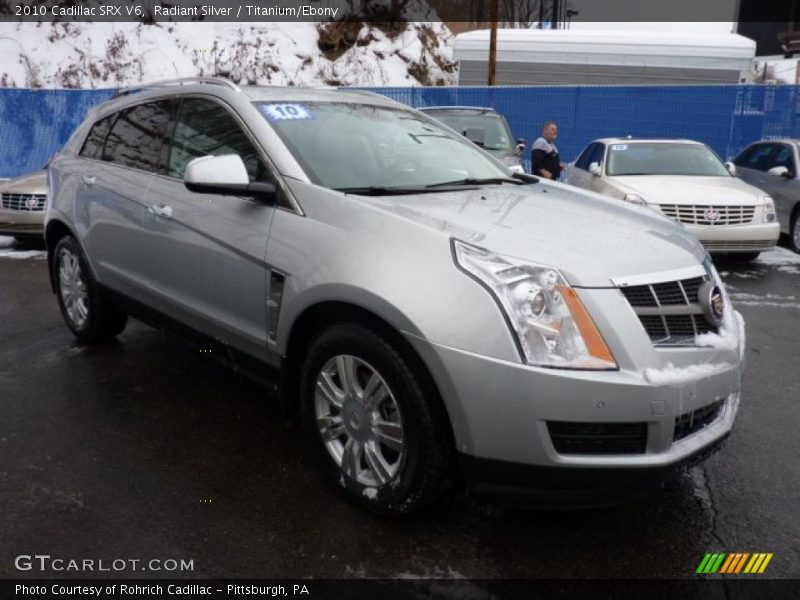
(111, 208)
(206, 251)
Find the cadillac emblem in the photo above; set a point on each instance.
(32, 202)
(712, 215)
(712, 302)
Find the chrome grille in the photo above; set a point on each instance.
(706, 214)
(25, 202)
(722, 246)
(670, 312)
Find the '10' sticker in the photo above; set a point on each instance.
(285, 112)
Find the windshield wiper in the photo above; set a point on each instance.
(475, 181)
(376, 190)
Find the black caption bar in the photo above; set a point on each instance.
(520, 12)
(402, 589)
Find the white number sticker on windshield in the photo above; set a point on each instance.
(285, 112)
(619, 147)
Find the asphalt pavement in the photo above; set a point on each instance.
(146, 449)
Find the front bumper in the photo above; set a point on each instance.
(21, 223)
(737, 238)
(503, 413)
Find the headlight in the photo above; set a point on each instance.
(769, 209)
(551, 325)
(635, 199)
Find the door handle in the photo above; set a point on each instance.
(160, 210)
(89, 181)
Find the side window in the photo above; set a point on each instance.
(754, 157)
(584, 159)
(205, 128)
(597, 154)
(137, 135)
(782, 158)
(93, 146)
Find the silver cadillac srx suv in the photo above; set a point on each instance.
(437, 321)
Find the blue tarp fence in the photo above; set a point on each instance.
(34, 124)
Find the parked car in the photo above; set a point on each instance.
(686, 181)
(22, 204)
(428, 314)
(485, 127)
(773, 167)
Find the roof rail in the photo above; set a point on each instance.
(181, 81)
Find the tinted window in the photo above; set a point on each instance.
(782, 158)
(755, 157)
(497, 136)
(93, 146)
(584, 159)
(597, 154)
(205, 128)
(136, 138)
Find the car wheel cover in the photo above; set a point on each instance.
(359, 421)
(73, 289)
(796, 233)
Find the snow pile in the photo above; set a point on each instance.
(723, 340)
(106, 55)
(672, 375)
(785, 260)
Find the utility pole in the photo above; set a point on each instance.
(493, 45)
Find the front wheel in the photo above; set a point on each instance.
(87, 311)
(377, 421)
(794, 232)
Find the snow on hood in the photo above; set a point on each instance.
(681, 189)
(590, 239)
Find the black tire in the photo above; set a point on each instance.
(99, 319)
(794, 231)
(744, 257)
(423, 465)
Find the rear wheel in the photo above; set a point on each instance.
(376, 420)
(87, 311)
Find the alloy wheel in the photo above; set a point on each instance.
(359, 421)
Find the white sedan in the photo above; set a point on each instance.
(686, 181)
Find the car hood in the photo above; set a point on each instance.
(589, 238)
(507, 157)
(34, 183)
(677, 189)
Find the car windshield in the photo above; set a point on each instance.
(349, 146)
(496, 135)
(663, 159)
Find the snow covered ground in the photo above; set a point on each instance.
(105, 55)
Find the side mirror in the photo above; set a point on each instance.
(522, 145)
(225, 175)
(779, 171)
(476, 135)
(595, 169)
(731, 168)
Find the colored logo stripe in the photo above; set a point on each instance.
(730, 563)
